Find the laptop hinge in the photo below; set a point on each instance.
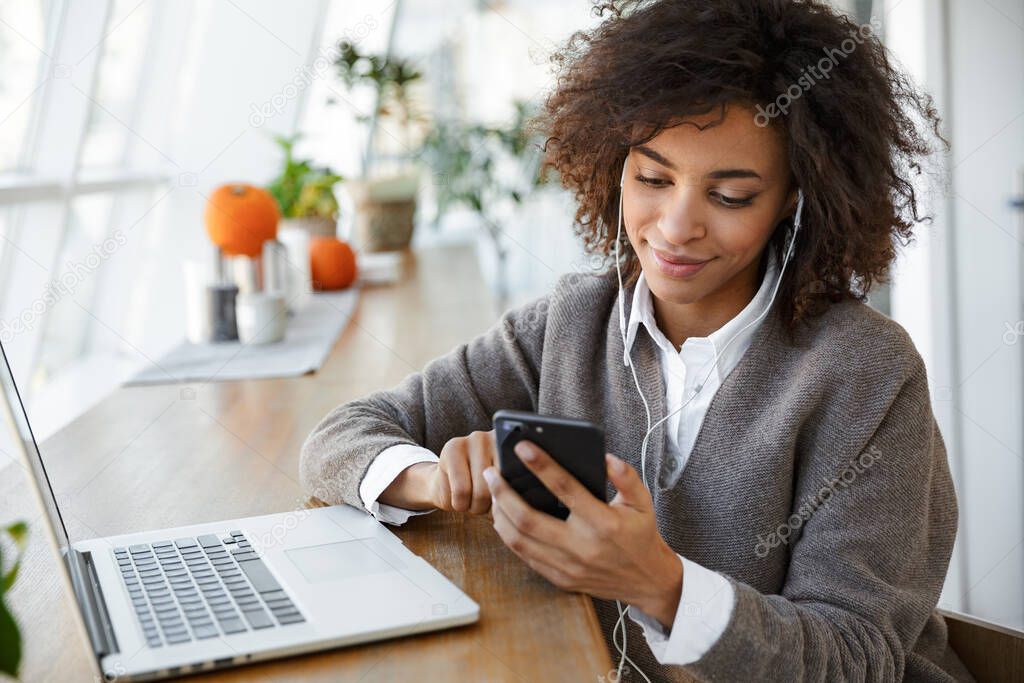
(90, 598)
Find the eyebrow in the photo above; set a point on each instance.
(720, 174)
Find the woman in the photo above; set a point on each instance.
(781, 505)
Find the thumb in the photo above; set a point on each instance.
(631, 490)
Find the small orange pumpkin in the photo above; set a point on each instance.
(240, 218)
(332, 263)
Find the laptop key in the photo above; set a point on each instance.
(202, 632)
(209, 541)
(233, 626)
(185, 543)
(296, 619)
(261, 578)
(258, 619)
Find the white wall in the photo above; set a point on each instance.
(959, 287)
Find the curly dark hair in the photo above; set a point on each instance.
(856, 128)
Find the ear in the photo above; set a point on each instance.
(791, 199)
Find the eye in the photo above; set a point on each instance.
(651, 182)
(732, 202)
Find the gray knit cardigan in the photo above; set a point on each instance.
(818, 483)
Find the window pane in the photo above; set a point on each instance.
(73, 286)
(22, 50)
(118, 84)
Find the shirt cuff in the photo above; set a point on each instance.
(705, 608)
(383, 470)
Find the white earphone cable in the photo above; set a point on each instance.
(700, 386)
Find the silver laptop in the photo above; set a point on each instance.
(202, 597)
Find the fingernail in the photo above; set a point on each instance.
(525, 451)
(489, 475)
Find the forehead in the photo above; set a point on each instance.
(701, 144)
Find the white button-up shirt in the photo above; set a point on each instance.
(707, 598)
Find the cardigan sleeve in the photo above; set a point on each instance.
(868, 557)
(454, 395)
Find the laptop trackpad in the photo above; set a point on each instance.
(343, 560)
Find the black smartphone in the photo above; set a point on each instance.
(577, 445)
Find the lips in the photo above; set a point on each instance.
(675, 266)
(678, 260)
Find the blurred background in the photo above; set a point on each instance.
(397, 127)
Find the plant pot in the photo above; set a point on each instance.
(385, 212)
(316, 226)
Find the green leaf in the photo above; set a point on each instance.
(300, 189)
(19, 532)
(10, 643)
(10, 636)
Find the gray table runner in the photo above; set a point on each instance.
(309, 337)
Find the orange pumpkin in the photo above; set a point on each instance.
(332, 263)
(240, 218)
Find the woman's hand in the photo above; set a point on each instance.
(609, 550)
(457, 482)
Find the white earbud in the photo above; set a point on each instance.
(629, 362)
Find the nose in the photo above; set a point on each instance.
(683, 215)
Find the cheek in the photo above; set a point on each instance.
(640, 214)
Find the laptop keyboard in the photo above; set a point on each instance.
(199, 588)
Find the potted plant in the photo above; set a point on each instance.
(384, 195)
(10, 636)
(488, 170)
(305, 193)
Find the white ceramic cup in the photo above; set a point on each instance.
(261, 317)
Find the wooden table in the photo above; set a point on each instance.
(159, 456)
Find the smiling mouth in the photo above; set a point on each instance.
(677, 266)
(678, 260)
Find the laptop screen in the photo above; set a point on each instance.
(25, 440)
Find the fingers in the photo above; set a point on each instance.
(541, 557)
(563, 485)
(630, 487)
(527, 520)
(463, 460)
(481, 456)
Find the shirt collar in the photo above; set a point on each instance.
(641, 312)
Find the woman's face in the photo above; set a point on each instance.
(700, 205)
